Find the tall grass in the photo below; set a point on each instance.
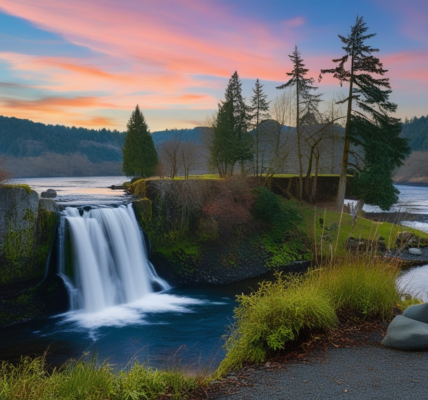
(88, 380)
(275, 314)
(360, 286)
(354, 287)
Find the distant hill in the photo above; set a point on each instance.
(416, 130)
(24, 138)
(185, 135)
(415, 169)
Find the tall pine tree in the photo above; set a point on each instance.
(232, 143)
(139, 152)
(260, 112)
(369, 125)
(306, 102)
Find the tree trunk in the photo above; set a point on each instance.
(257, 144)
(314, 183)
(345, 156)
(308, 176)
(299, 154)
(358, 207)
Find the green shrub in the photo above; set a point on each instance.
(277, 313)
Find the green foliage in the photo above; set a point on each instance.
(139, 152)
(232, 142)
(22, 186)
(18, 245)
(24, 138)
(272, 316)
(259, 113)
(408, 300)
(88, 380)
(281, 216)
(279, 312)
(138, 188)
(285, 253)
(369, 124)
(181, 251)
(149, 383)
(375, 186)
(416, 130)
(360, 287)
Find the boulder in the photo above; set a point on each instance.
(406, 334)
(49, 205)
(417, 312)
(49, 194)
(414, 251)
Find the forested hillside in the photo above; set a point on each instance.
(415, 169)
(24, 138)
(416, 129)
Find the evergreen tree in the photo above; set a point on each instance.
(369, 125)
(223, 148)
(306, 102)
(260, 112)
(232, 142)
(139, 152)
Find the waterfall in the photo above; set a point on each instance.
(110, 264)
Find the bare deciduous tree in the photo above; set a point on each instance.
(189, 156)
(5, 175)
(275, 144)
(169, 154)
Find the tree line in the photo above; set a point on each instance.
(255, 138)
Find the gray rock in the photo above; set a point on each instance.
(49, 205)
(18, 213)
(414, 251)
(406, 334)
(49, 194)
(417, 312)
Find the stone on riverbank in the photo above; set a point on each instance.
(414, 251)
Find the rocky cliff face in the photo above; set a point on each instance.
(27, 233)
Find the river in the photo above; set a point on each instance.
(178, 324)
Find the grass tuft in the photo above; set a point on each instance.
(354, 287)
(88, 380)
(275, 314)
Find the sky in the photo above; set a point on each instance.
(89, 62)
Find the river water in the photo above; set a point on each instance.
(179, 324)
(185, 324)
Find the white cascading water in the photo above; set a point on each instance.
(110, 263)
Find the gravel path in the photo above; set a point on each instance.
(362, 372)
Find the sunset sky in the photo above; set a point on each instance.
(89, 62)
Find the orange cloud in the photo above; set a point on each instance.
(95, 121)
(53, 102)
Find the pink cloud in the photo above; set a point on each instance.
(162, 49)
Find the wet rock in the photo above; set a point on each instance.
(49, 194)
(49, 205)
